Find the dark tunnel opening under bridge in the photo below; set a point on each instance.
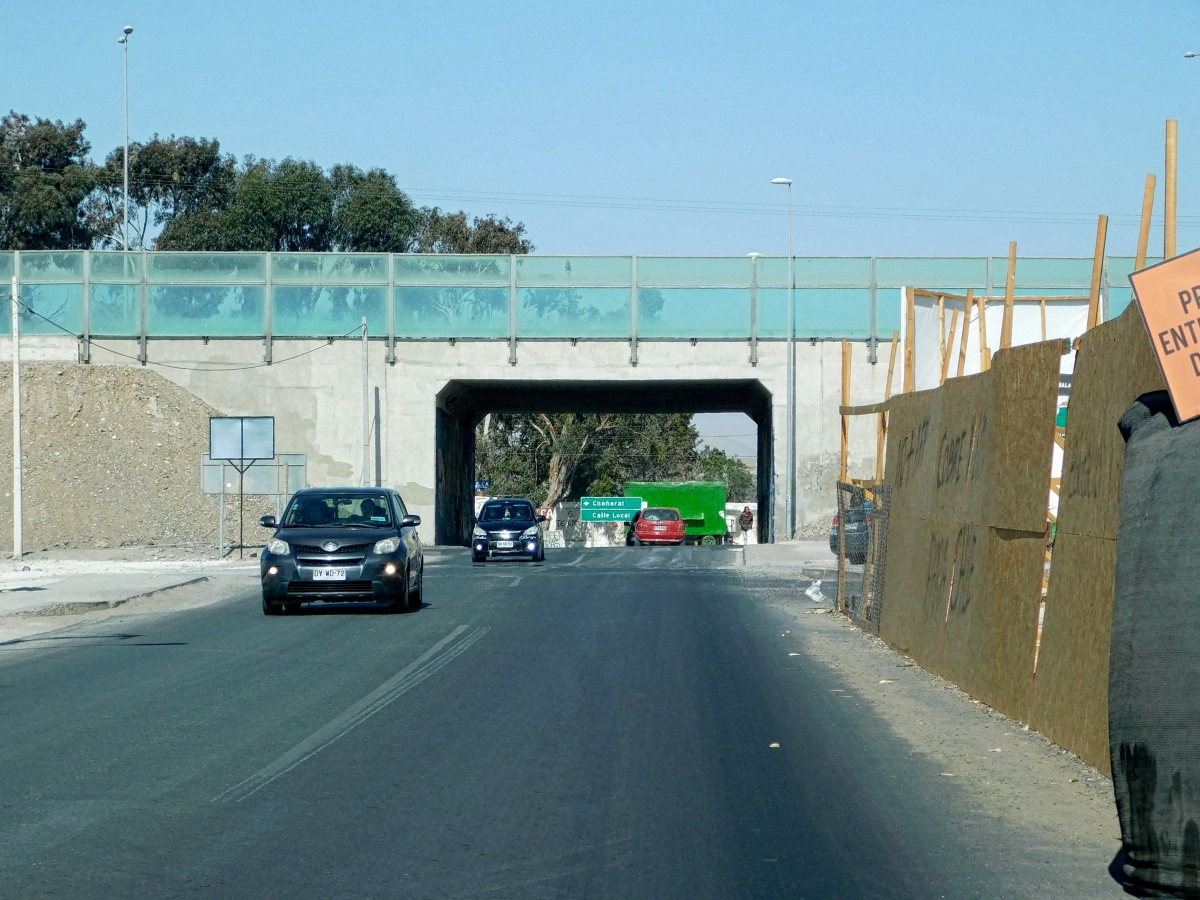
(463, 403)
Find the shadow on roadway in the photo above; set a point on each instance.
(351, 609)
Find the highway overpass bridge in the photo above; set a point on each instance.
(452, 338)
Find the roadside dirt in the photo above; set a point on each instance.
(111, 458)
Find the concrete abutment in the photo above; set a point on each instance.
(437, 391)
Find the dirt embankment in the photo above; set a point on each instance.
(111, 457)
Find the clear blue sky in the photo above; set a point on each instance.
(887, 115)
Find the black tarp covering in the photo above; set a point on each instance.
(1154, 676)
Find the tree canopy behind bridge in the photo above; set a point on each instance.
(186, 194)
(552, 458)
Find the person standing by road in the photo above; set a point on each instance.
(746, 523)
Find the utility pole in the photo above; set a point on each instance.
(789, 485)
(366, 468)
(16, 351)
(378, 445)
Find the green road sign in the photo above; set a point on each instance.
(608, 509)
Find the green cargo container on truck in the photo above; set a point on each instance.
(701, 503)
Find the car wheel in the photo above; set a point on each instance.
(475, 557)
(414, 596)
(400, 602)
(541, 557)
(293, 607)
(419, 593)
(269, 608)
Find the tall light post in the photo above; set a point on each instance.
(124, 41)
(789, 485)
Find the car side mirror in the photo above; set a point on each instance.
(541, 518)
(410, 521)
(268, 522)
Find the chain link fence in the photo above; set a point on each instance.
(862, 550)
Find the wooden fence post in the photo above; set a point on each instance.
(1010, 284)
(1170, 187)
(1144, 230)
(1097, 273)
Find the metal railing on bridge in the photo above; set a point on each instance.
(421, 297)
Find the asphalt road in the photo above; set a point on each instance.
(599, 726)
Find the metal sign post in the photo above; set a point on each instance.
(241, 441)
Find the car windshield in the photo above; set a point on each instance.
(515, 511)
(334, 510)
(660, 515)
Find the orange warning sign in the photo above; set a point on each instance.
(1169, 296)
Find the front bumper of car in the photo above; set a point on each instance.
(522, 547)
(286, 579)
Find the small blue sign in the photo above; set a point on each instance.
(483, 485)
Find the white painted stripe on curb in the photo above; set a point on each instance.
(402, 682)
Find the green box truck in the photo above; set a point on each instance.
(701, 503)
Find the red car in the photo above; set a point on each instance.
(656, 525)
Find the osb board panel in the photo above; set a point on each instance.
(917, 589)
(1014, 442)
(1114, 366)
(955, 434)
(907, 538)
(930, 440)
(911, 446)
(992, 623)
(1069, 704)
(978, 450)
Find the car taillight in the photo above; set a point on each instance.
(868, 520)
(836, 522)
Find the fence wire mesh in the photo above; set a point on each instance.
(861, 541)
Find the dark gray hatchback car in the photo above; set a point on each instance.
(343, 544)
(508, 528)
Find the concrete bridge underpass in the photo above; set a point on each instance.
(451, 338)
(462, 404)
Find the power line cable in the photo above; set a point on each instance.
(584, 201)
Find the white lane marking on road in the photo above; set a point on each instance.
(515, 581)
(402, 682)
(578, 561)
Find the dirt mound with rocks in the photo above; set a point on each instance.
(111, 458)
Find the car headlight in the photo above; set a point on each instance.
(530, 532)
(278, 547)
(387, 545)
(478, 532)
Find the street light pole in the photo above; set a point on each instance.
(789, 487)
(17, 474)
(124, 40)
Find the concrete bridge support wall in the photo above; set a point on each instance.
(314, 390)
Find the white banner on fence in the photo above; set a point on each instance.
(1064, 319)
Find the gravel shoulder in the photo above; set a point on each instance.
(1010, 777)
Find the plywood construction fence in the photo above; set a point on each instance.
(1115, 364)
(969, 468)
